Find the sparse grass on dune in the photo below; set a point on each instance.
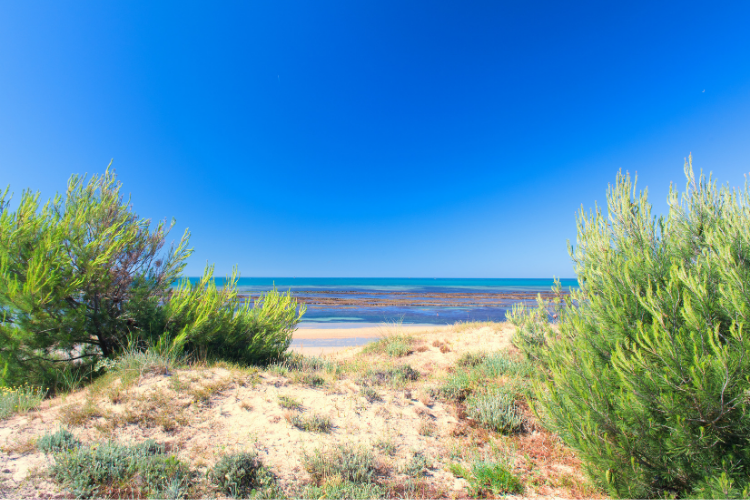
(410, 429)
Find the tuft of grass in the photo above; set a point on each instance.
(341, 463)
(488, 478)
(77, 415)
(203, 393)
(470, 359)
(156, 409)
(427, 428)
(396, 375)
(370, 394)
(311, 423)
(289, 403)
(395, 346)
(19, 399)
(243, 475)
(61, 440)
(336, 490)
(110, 469)
(495, 410)
(312, 379)
(386, 445)
(458, 385)
(497, 364)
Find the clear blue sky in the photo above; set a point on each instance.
(373, 138)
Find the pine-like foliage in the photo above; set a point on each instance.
(649, 364)
(83, 275)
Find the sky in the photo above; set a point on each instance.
(373, 138)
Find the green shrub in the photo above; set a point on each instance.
(109, 467)
(458, 385)
(83, 276)
(648, 366)
(495, 410)
(19, 399)
(346, 463)
(311, 423)
(243, 475)
(487, 477)
(61, 440)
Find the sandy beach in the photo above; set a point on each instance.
(314, 340)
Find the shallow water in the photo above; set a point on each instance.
(434, 301)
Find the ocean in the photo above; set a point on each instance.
(346, 302)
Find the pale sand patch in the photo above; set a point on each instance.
(369, 331)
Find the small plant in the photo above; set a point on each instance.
(458, 385)
(417, 466)
(311, 423)
(498, 364)
(487, 477)
(427, 428)
(395, 375)
(495, 410)
(347, 463)
(109, 467)
(393, 343)
(386, 445)
(61, 440)
(289, 403)
(370, 394)
(470, 359)
(243, 474)
(19, 399)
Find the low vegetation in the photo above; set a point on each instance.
(19, 399)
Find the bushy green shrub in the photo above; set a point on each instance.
(243, 475)
(495, 410)
(109, 468)
(83, 276)
(648, 365)
(60, 440)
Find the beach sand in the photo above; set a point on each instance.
(314, 340)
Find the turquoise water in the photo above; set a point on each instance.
(412, 300)
(440, 285)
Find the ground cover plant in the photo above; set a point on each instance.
(647, 366)
(243, 475)
(19, 399)
(82, 277)
(109, 468)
